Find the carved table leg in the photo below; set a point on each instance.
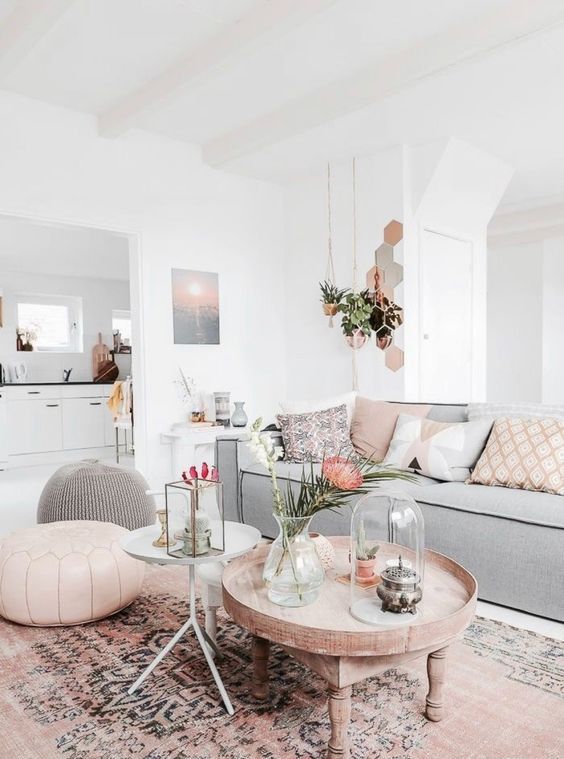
(436, 666)
(261, 650)
(339, 713)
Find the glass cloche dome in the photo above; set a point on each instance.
(387, 558)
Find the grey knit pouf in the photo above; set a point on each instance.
(98, 492)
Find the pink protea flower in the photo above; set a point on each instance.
(342, 473)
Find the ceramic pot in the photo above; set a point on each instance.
(293, 571)
(324, 549)
(357, 339)
(365, 568)
(239, 418)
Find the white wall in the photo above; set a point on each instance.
(553, 321)
(187, 216)
(515, 322)
(99, 297)
(525, 318)
(319, 360)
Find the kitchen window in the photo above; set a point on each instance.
(53, 323)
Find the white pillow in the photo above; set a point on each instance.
(305, 407)
(443, 450)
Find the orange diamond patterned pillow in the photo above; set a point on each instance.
(523, 453)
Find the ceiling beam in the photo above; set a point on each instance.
(268, 22)
(452, 47)
(22, 29)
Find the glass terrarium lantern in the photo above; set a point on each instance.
(195, 522)
(387, 558)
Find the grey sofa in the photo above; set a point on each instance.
(511, 540)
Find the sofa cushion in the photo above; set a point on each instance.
(543, 509)
(524, 453)
(444, 450)
(316, 435)
(304, 407)
(374, 423)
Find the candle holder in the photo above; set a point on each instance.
(195, 522)
(161, 541)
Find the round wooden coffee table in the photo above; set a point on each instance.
(326, 638)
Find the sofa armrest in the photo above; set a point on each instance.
(232, 455)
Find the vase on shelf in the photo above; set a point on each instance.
(239, 418)
(293, 571)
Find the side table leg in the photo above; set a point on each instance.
(260, 652)
(339, 713)
(436, 666)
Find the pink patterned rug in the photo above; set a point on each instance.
(63, 695)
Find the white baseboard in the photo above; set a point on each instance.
(58, 457)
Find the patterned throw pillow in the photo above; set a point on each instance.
(442, 450)
(317, 435)
(524, 453)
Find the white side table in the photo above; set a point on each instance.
(239, 540)
(184, 439)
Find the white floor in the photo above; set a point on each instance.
(20, 490)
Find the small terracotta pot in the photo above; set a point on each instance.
(330, 309)
(357, 339)
(365, 568)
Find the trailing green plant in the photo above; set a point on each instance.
(331, 294)
(356, 309)
(363, 552)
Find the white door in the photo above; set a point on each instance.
(34, 426)
(83, 423)
(446, 319)
(3, 431)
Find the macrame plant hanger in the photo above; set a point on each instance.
(330, 268)
(354, 272)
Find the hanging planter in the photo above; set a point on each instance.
(357, 340)
(356, 309)
(331, 298)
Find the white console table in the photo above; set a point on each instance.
(184, 441)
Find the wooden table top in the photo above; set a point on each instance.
(327, 627)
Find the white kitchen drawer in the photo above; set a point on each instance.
(81, 391)
(35, 426)
(31, 392)
(83, 423)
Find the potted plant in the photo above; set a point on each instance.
(365, 555)
(356, 309)
(331, 297)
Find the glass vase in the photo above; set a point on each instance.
(239, 418)
(293, 571)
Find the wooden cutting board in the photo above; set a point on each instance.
(100, 353)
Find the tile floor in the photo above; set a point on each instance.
(20, 490)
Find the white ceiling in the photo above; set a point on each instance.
(60, 250)
(273, 88)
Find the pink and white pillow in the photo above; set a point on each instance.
(442, 450)
(316, 435)
(523, 453)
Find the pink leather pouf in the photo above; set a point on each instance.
(66, 573)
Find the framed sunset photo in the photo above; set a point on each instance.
(195, 307)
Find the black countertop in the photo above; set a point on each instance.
(35, 384)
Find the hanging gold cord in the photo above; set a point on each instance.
(354, 272)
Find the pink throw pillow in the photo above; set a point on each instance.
(374, 423)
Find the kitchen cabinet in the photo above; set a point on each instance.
(54, 419)
(35, 426)
(84, 422)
